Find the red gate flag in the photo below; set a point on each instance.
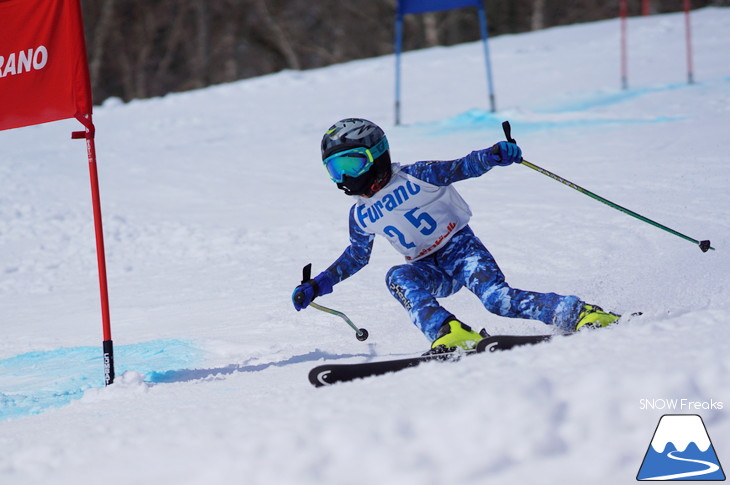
(44, 74)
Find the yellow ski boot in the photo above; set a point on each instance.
(594, 316)
(454, 335)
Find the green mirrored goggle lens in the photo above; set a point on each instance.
(353, 162)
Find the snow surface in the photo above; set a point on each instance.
(214, 200)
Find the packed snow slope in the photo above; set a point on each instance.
(214, 200)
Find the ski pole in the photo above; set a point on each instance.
(704, 245)
(360, 333)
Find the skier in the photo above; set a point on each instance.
(418, 210)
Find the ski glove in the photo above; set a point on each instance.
(505, 153)
(311, 289)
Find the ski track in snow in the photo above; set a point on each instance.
(213, 200)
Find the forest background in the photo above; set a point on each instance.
(146, 48)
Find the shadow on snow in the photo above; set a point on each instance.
(187, 375)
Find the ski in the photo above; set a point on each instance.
(505, 342)
(328, 374)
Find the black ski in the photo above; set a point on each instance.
(327, 374)
(506, 342)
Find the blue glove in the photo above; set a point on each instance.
(505, 153)
(309, 290)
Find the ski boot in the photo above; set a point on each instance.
(454, 335)
(594, 316)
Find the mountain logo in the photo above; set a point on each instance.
(680, 450)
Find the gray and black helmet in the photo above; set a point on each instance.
(351, 133)
(354, 133)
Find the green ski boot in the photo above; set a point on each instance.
(454, 335)
(594, 316)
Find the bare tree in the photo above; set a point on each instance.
(141, 48)
(201, 65)
(537, 20)
(431, 29)
(279, 37)
(102, 27)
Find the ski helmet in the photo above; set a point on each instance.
(349, 135)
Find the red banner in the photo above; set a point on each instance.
(44, 73)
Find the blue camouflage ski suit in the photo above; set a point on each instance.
(462, 261)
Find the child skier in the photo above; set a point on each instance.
(417, 209)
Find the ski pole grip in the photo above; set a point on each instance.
(307, 273)
(508, 132)
(306, 276)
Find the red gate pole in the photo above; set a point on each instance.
(688, 38)
(645, 7)
(108, 347)
(623, 12)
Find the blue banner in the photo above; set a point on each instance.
(421, 6)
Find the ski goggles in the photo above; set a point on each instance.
(353, 162)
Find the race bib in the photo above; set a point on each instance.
(416, 217)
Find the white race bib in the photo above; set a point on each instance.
(417, 218)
